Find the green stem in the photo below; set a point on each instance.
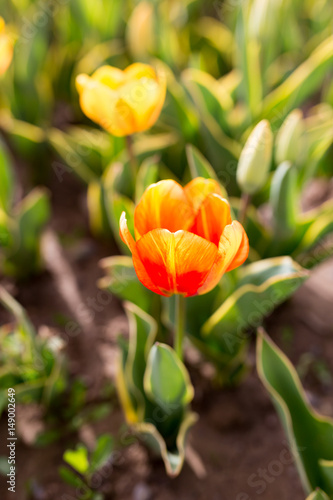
(180, 325)
(244, 205)
(131, 156)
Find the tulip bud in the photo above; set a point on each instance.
(288, 139)
(255, 159)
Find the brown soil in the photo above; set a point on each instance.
(238, 434)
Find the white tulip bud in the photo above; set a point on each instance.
(255, 159)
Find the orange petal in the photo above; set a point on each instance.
(176, 262)
(242, 253)
(199, 188)
(229, 245)
(138, 265)
(212, 217)
(163, 205)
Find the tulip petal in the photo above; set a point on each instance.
(144, 93)
(242, 253)
(199, 188)
(109, 76)
(176, 262)
(213, 216)
(138, 265)
(6, 51)
(139, 70)
(123, 102)
(102, 105)
(163, 205)
(228, 248)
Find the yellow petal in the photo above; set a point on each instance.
(229, 244)
(103, 105)
(199, 188)
(163, 205)
(144, 92)
(109, 76)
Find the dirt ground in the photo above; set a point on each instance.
(238, 436)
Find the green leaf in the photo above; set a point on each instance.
(102, 452)
(78, 458)
(199, 166)
(262, 287)
(98, 219)
(121, 280)
(6, 179)
(163, 425)
(116, 203)
(209, 96)
(258, 235)
(148, 145)
(70, 155)
(147, 175)
(182, 112)
(284, 199)
(310, 434)
(31, 216)
(248, 62)
(69, 477)
(220, 147)
(318, 495)
(317, 224)
(166, 380)
(173, 459)
(131, 369)
(300, 84)
(18, 312)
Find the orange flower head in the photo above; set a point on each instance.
(123, 102)
(6, 48)
(185, 239)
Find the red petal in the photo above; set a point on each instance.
(176, 262)
(138, 265)
(213, 216)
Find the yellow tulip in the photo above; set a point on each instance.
(123, 102)
(6, 48)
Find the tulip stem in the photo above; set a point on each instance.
(244, 205)
(180, 325)
(131, 156)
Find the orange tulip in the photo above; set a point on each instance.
(185, 239)
(6, 48)
(123, 102)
